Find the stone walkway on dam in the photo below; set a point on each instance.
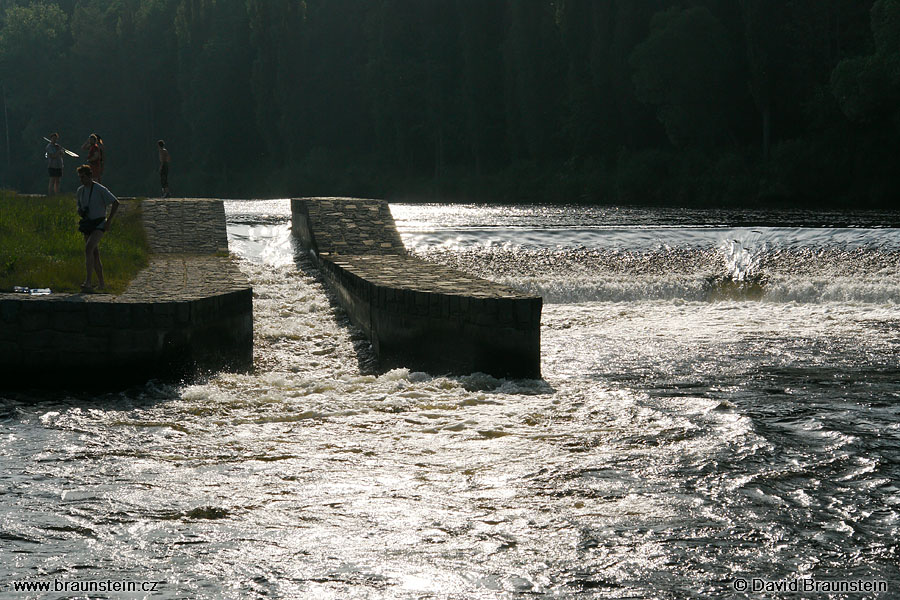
(188, 257)
(360, 236)
(190, 311)
(185, 226)
(417, 314)
(348, 226)
(189, 252)
(401, 271)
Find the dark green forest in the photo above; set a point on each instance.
(692, 102)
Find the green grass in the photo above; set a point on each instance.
(41, 247)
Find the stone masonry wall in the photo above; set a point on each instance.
(417, 314)
(190, 310)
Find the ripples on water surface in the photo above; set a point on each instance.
(719, 400)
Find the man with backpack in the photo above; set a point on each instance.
(93, 198)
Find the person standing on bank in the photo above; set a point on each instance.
(95, 156)
(54, 153)
(93, 200)
(164, 160)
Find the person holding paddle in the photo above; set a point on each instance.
(93, 200)
(54, 154)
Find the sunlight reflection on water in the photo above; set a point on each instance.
(673, 445)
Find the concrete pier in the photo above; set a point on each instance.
(189, 311)
(417, 314)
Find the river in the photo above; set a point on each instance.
(719, 409)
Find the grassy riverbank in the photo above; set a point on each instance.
(40, 246)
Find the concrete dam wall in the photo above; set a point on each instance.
(189, 311)
(417, 314)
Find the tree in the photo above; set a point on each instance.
(32, 41)
(590, 112)
(765, 49)
(868, 87)
(215, 67)
(481, 84)
(534, 79)
(687, 70)
(275, 26)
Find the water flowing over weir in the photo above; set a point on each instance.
(677, 443)
(697, 265)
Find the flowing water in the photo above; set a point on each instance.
(720, 407)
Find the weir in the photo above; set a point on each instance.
(190, 311)
(415, 313)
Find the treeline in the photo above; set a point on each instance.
(740, 102)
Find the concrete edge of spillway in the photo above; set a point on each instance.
(189, 312)
(417, 314)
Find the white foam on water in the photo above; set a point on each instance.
(675, 441)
